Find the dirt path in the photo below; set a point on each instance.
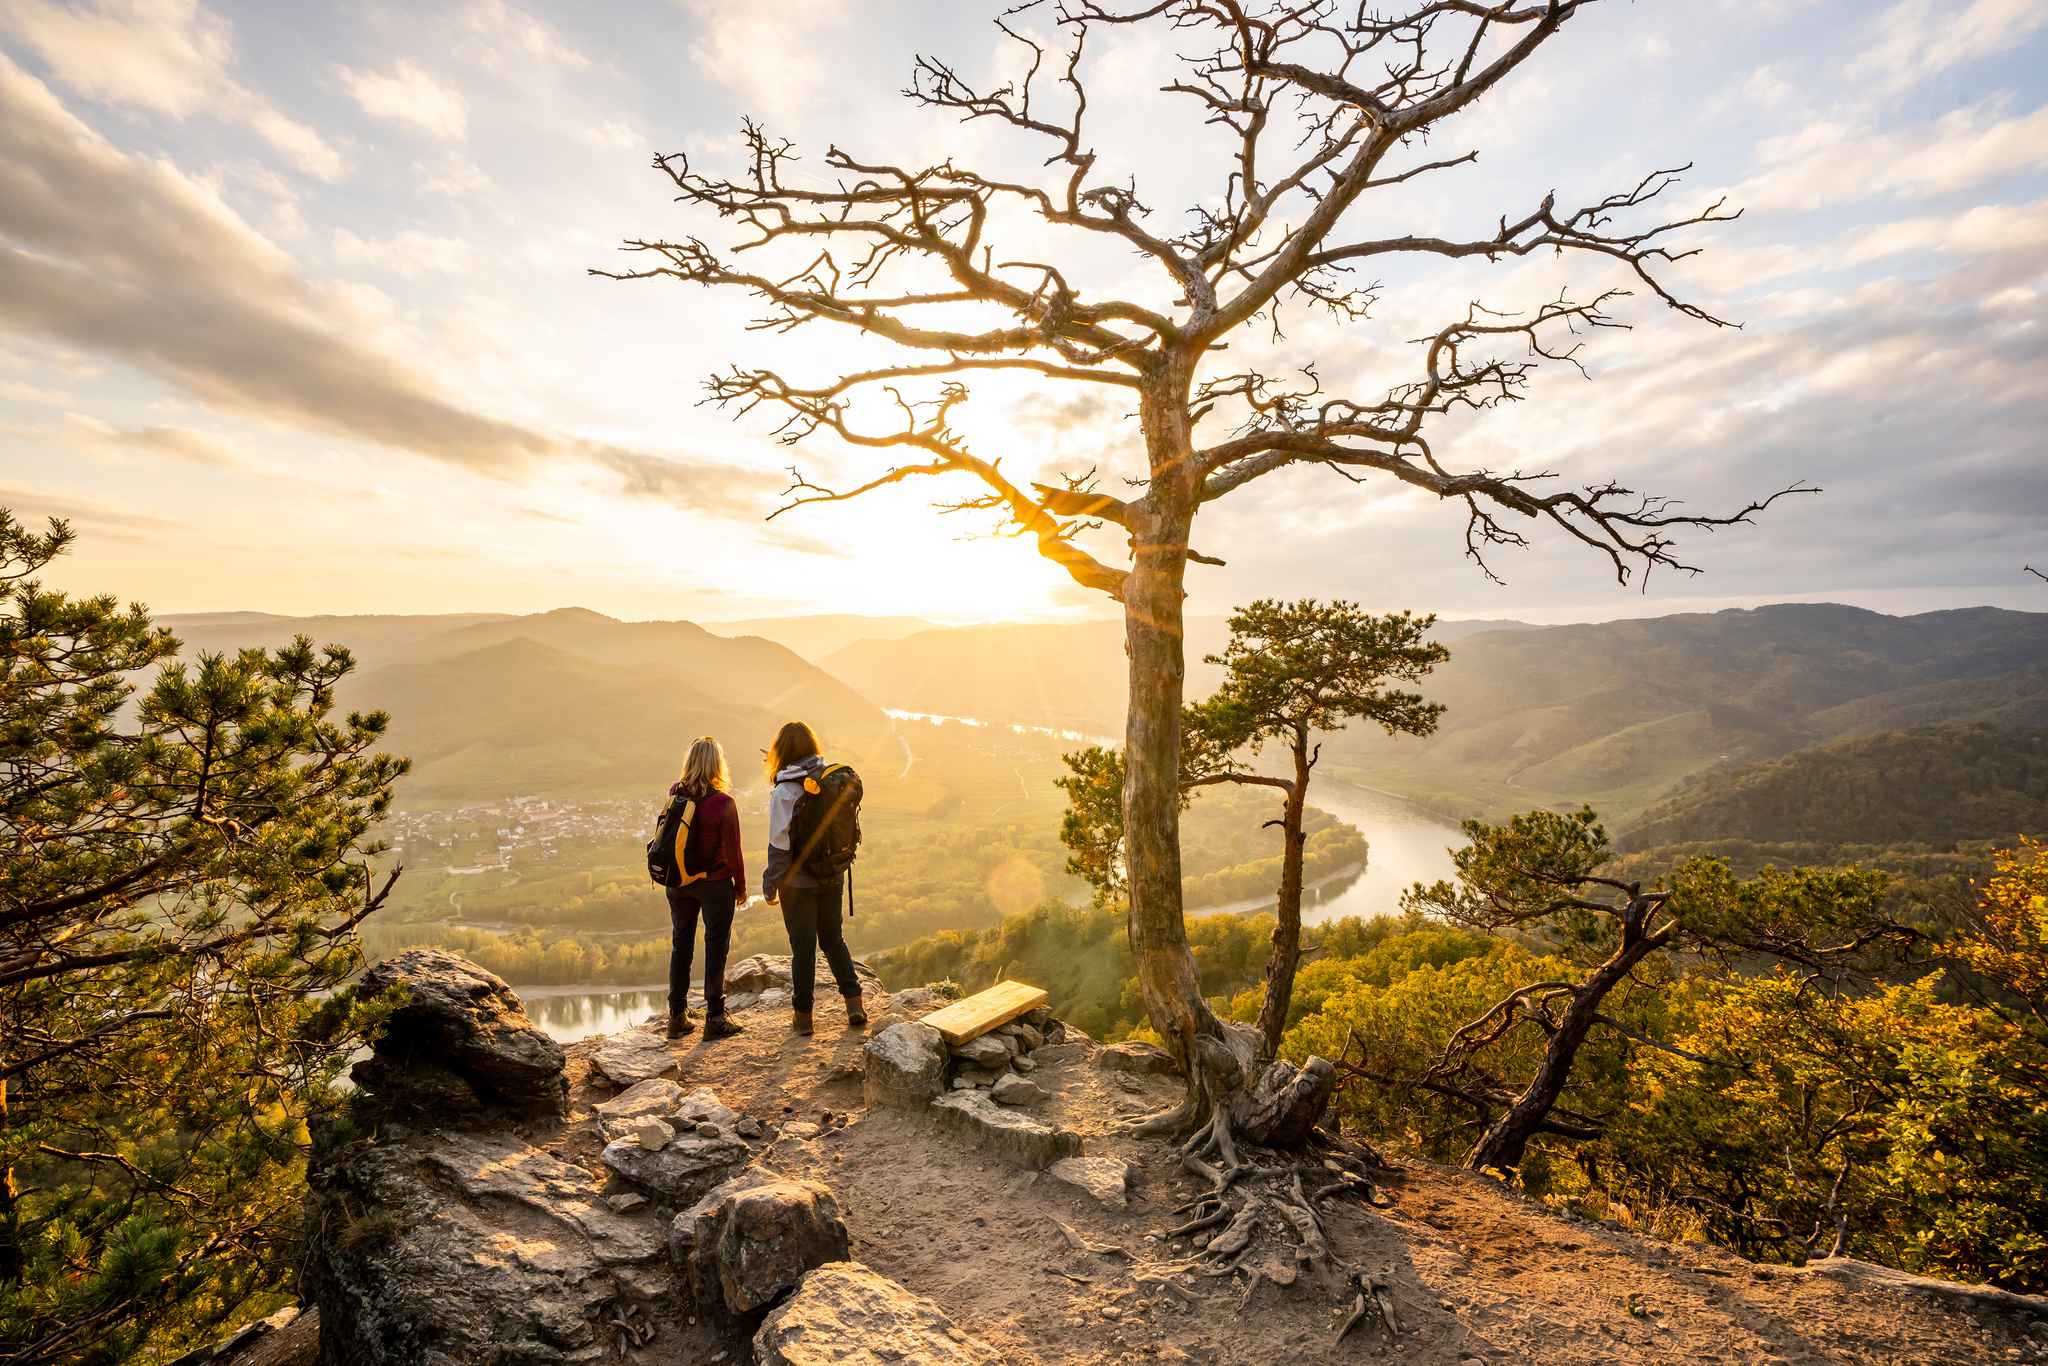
(1479, 1272)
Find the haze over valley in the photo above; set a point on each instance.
(541, 745)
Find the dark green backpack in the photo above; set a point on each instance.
(824, 827)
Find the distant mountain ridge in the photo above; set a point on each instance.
(568, 703)
(1617, 712)
(1070, 674)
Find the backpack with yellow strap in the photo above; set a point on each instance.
(668, 858)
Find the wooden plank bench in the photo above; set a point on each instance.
(973, 1016)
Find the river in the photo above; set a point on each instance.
(566, 1014)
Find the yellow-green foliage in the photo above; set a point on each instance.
(1771, 1110)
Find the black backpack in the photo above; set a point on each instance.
(824, 828)
(671, 834)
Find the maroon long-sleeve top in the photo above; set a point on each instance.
(714, 846)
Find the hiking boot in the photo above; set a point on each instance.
(856, 1018)
(800, 1021)
(721, 1027)
(679, 1024)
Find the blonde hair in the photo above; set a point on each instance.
(704, 770)
(794, 743)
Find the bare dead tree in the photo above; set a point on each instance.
(1317, 106)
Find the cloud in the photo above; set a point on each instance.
(204, 302)
(14, 391)
(406, 94)
(35, 505)
(507, 29)
(1918, 39)
(453, 176)
(770, 55)
(410, 254)
(164, 56)
(1831, 163)
(179, 443)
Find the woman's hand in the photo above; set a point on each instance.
(742, 901)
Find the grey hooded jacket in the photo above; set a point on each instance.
(789, 785)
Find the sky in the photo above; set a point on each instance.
(295, 313)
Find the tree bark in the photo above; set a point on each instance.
(1285, 958)
(1154, 640)
(1507, 1138)
(1158, 929)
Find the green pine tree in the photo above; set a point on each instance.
(185, 855)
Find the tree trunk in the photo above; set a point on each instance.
(1505, 1140)
(1286, 956)
(1159, 939)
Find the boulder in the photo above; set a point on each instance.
(654, 1098)
(917, 1001)
(633, 1056)
(991, 1051)
(847, 1315)
(1011, 1089)
(1004, 1133)
(682, 1170)
(752, 1240)
(702, 1106)
(458, 1043)
(1283, 1108)
(765, 972)
(1103, 1178)
(905, 1065)
(1070, 1051)
(1141, 1058)
(1027, 1038)
(443, 1249)
(652, 1134)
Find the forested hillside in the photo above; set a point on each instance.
(1934, 785)
(1618, 712)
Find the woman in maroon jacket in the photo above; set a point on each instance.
(716, 888)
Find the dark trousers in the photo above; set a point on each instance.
(715, 900)
(811, 915)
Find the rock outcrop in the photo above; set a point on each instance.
(905, 1065)
(1004, 1133)
(440, 1249)
(703, 1149)
(749, 1242)
(1142, 1058)
(458, 1043)
(846, 1315)
(633, 1056)
(764, 979)
(655, 1098)
(1106, 1180)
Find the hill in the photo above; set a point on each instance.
(1070, 674)
(817, 636)
(1932, 785)
(1616, 713)
(570, 704)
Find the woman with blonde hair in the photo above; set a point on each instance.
(810, 903)
(713, 884)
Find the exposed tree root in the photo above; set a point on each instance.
(1261, 1214)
